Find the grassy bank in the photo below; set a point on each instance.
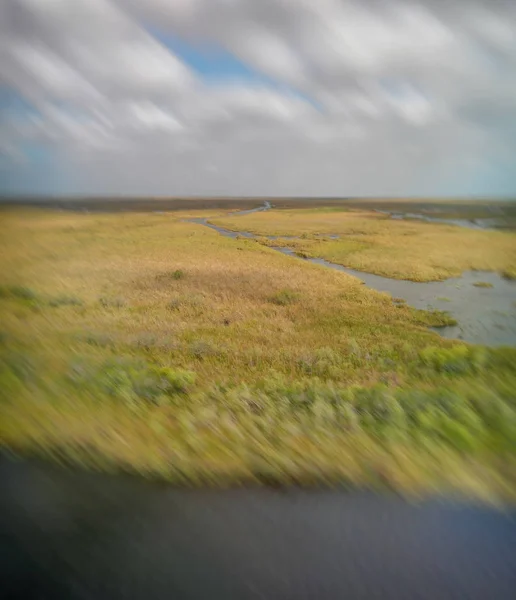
(140, 342)
(372, 242)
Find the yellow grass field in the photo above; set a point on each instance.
(141, 342)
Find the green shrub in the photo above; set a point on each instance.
(459, 359)
(10, 384)
(115, 380)
(378, 409)
(144, 340)
(131, 380)
(111, 302)
(441, 318)
(447, 416)
(19, 363)
(23, 293)
(414, 403)
(154, 383)
(502, 358)
(167, 275)
(324, 362)
(458, 435)
(19, 292)
(195, 301)
(65, 301)
(202, 349)
(149, 341)
(174, 381)
(174, 304)
(16, 370)
(97, 338)
(498, 417)
(483, 284)
(354, 348)
(284, 297)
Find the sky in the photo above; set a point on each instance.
(258, 97)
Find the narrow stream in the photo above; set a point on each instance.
(486, 313)
(467, 223)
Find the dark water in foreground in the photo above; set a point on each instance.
(485, 315)
(82, 536)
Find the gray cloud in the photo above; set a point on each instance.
(398, 97)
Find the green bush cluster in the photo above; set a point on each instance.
(97, 338)
(17, 369)
(480, 420)
(18, 291)
(458, 359)
(107, 302)
(284, 297)
(24, 296)
(133, 380)
(483, 284)
(188, 301)
(324, 362)
(149, 341)
(65, 300)
(30, 297)
(202, 349)
(434, 317)
(177, 274)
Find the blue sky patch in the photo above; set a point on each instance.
(214, 64)
(211, 62)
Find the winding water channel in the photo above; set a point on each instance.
(484, 315)
(479, 223)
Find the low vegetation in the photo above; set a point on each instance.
(250, 366)
(284, 297)
(483, 284)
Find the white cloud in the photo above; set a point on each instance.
(268, 53)
(364, 96)
(138, 65)
(146, 115)
(37, 71)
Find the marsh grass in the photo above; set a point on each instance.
(216, 381)
(284, 297)
(482, 284)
